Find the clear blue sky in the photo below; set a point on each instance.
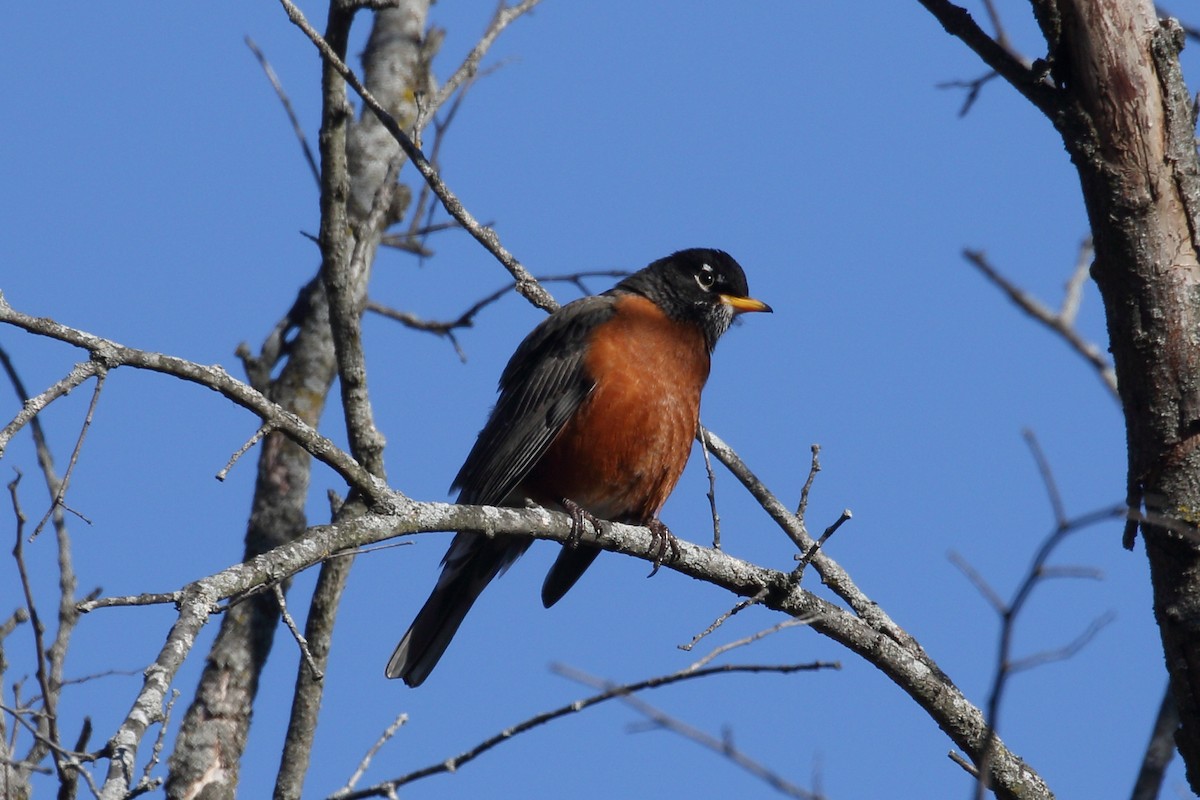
(154, 194)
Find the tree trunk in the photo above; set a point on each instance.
(214, 731)
(1127, 120)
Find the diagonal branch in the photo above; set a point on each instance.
(526, 285)
(1159, 751)
(723, 747)
(915, 673)
(1030, 82)
(110, 355)
(297, 128)
(388, 788)
(1062, 321)
(466, 319)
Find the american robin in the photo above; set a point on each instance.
(597, 411)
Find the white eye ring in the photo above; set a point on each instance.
(706, 277)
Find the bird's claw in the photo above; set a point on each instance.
(579, 515)
(661, 540)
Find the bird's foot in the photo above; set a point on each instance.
(661, 540)
(579, 515)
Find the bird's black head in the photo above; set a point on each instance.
(703, 286)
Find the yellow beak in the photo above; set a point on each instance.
(742, 304)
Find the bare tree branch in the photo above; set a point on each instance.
(363, 765)
(526, 285)
(1159, 751)
(110, 355)
(712, 488)
(1028, 80)
(1009, 611)
(466, 319)
(813, 469)
(58, 501)
(305, 650)
(47, 721)
(1061, 322)
(297, 128)
(505, 15)
(67, 614)
(751, 639)
(724, 746)
(397, 61)
(387, 788)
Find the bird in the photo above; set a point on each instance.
(596, 414)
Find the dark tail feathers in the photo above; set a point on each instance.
(470, 564)
(570, 564)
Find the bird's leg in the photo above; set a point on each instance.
(578, 515)
(661, 539)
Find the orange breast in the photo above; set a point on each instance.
(623, 451)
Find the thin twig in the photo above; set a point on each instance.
(466, 319)
(526, 284)
(712, 487)
(72, 762)
(365, 764)
(813, 469)
(422, 220)
(108, 673)
(262, 431)
(974, 88)
(45, 459)
(963, 762)
(156, 750)
(1057, 322)
(148, 599)
(1073, 295)
(66, 478)
(997, 25)
(751, 639)
(297, 128)
(723, 746)
(1030, 81)
(738, 607)
(452, 764)
(807, 558)
(32, 406)
(761, 594)
(67, 615)
(1073, 572)
(1006, 665)
(1066, 651)
(1047, 474)
(49, 692)
(504, 16)
(998, 604)
(108, 355)
(832, 573)
(296, 634)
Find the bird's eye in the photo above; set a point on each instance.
(706, 277)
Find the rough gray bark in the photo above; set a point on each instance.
(213, 733)
(1112, 85)
(1129, 128)
(214, 730)
(1131, 135)
(359, 200)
